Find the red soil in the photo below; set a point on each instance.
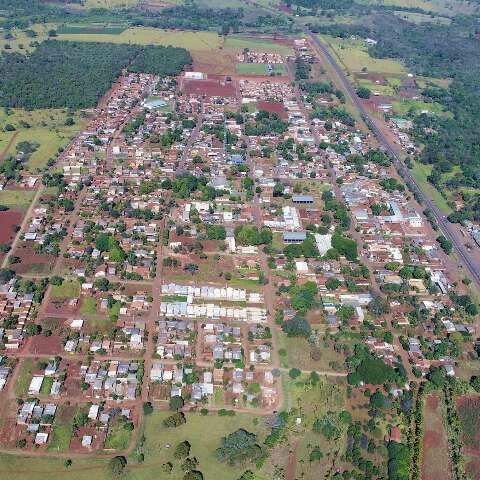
(7, 220)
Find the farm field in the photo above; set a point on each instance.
(46, 128)
(153, 36)
(94, 28)
(435, 447)
(110, 3)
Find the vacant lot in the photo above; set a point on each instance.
(68, 289)
(435, 448)
(8, 220)
(24, 376)
(16, 198)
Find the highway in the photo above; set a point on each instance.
(471, 265)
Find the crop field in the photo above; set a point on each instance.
(435, 448)
(44, 128)
(468, 412)
(110, 3)
(94, 28)
(153, 36)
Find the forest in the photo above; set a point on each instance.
(76, 75)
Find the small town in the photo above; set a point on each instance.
(243, 246)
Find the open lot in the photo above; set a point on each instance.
(16, 198)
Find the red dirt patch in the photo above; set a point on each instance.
(273, 107)
(435, 464)
(31, 262)
(209, 88)
(41, 345)
(7, 220)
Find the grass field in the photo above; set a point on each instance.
(88, 306)
(354, 56)
(118, 437)
(94, 28)
(402, 107)
(21, 41)
(24, 377)
(239, 43)
(446, 7)
(16, 198)
(110, 3)
(62, 429)
(420, 172)
(419, 18)
(203, 433)
(46, 385)
(154, 36)
(68, 289)
(299, 355)
(258, 69)
(46, 128)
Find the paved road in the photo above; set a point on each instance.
(450, 232)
